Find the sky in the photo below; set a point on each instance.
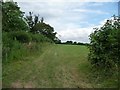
(72, 19)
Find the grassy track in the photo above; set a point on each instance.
(59, 66)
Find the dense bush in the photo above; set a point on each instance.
(40, 38)
(104, 46)
(20, 36)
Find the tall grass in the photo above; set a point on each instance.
(18, 45)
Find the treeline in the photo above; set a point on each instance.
(73, 43)
(23, 35)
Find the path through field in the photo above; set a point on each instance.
(59, 66)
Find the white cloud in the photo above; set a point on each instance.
(102, 22)
(79, 34)
(66, 1)
(70, 19)
(90, 11)
(75, 34)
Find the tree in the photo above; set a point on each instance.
(104, 46)
(45, 29)
(75, 43)
(29, 20)
(42, 19)
(32, 20)
(36, 19)
(69, 42)
(12, 17)
(39, 27)
(57, 40)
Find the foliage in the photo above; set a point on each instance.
(104, 46)
(57, 40)
(11, 49)
(18, 41)
(73, 43)
(12, 17)
(44, 29)
(21, 36)
(40, 38)
(39, 27)
(29, 20)
(69, 42)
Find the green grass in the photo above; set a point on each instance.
(59, 66)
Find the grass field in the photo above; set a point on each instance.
(59, 66)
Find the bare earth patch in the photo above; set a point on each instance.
(29, 85)
(18, 84)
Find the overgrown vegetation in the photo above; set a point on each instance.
(27, 36)
(23, 34)
(104, 49)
